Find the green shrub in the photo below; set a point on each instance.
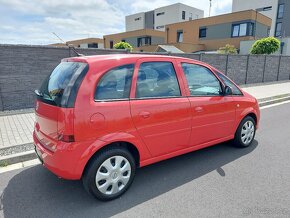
(267, 45)
(228, 49)
(123, 45)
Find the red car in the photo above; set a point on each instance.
(99, 118)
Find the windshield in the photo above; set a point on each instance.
(58, 87)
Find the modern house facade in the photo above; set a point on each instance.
(139, 39)
(211, 33)
(83, 43)
(277, 10)
(157, 19)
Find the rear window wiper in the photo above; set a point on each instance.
(38, 93)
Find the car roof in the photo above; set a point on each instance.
(96, 58)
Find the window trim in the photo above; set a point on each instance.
(115, 99)
(158, 97)
(222, 85)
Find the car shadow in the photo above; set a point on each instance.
(35, 192)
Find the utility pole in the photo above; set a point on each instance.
(209, 7)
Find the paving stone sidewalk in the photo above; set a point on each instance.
(16, 127)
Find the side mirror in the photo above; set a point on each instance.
(228, 91)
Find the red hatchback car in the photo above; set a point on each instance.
(98, 118)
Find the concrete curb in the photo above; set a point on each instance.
(274, 101)
(16, 158)
(30, 155)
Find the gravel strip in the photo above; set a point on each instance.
(16, 149)
(13, 112)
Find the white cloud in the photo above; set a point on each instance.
(33, 21)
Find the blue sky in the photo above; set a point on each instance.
(33, 21)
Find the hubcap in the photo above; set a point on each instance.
(247, 133)
(113, 175)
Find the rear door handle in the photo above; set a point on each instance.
(199, 109)
(145, 114)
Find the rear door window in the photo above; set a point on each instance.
(157, 79)
(60, 87)
(115, 84)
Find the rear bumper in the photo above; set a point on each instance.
(64, 162)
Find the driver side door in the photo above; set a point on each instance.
(213, 113)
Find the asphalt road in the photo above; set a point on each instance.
(221, 181)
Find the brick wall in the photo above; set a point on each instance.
(22, 69)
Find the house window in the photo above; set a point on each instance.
(111, 44)
(183, 15)
(267, 8)
(93, 45)
(251, 29)
(179, 36)
(143, 41)
(138, 18)
(159, 27)
(160, 13)
(278, 29)
(280, 11)
(243, 29)
(202, 33)
(190, 16)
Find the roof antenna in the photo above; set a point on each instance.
(209, 7)
(70, 46)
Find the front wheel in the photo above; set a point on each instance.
(245, 133)
(109, 174)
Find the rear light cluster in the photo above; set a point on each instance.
(66, 138)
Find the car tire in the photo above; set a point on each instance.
(245, 133)
(109, 174)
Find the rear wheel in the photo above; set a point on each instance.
(109, 174)
(245, 133)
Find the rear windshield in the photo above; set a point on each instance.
(60, 87)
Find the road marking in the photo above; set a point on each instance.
(274, 105)
(20, 165)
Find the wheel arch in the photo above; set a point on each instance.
(117, 144)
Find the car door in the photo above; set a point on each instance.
(213, 114)
(159, 108)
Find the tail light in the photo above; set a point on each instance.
(66, 138)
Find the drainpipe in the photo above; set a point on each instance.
(167, 30)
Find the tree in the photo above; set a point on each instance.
(123, 45)
(228, 49)
(267, 45)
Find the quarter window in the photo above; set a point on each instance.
(157, 79)
(229, 83)
(201, 81)
(115, 84)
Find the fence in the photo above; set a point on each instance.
(23, 68)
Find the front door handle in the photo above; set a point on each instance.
(145, 114)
